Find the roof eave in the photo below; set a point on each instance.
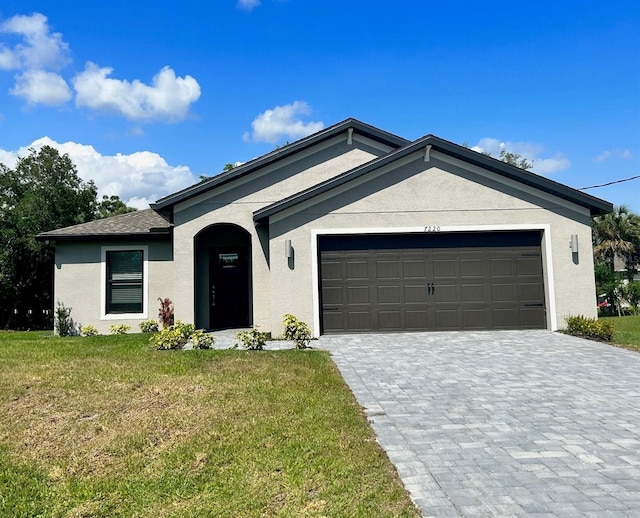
(147, 236)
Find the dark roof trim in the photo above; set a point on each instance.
(149, 236)
(596, 206)
(359, 127)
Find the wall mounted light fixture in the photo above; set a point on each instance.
(288, 249)
(574, 243)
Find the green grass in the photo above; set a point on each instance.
(106, 426)
(626, 331)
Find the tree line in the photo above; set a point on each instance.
(41, 193)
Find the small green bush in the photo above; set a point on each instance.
(63, 323)
(201, 340)
(88, 331)
(590, 327)
(119, 329)
(178, 334)
(253, 340)
(148, 326)
(297, 331)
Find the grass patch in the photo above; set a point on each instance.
(106, 426)
(626, 331)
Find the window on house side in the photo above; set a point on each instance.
(124, 281)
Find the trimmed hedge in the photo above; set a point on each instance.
(590, 328)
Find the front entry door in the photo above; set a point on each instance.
(229, 287)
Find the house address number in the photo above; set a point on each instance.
(432, 228)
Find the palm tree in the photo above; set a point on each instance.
(616, 235)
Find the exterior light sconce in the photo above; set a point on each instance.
(288, 249)
(574, 243)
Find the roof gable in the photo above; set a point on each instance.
(430, 142)
(289, 150)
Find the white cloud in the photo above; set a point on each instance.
(40, 87)
(138, 178)
(529, 150)
(623, 154)
(282, 121)
(41, 49)
(168, 98)
(247, 5)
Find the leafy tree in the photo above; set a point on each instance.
(616, 235)
(228, 167)
(111, 206)
(515, 159)
(42, 193)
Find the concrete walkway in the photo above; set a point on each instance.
(505, 423)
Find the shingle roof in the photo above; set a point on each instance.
(144, 223)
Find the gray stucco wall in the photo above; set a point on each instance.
(235, 204)
(78, 281)
(444, 193)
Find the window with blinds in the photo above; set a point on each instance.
(124, 281)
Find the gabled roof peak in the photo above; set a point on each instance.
(281, 153)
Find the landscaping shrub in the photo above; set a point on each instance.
(201, 340)
(253, 340)
(165, 313)
(590, 327)
(119, 329)
(297, 331)
(63, 322)
(88, 331)
(148, 326)
(177, 335)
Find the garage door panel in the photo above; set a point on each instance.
(530, 291)
(357, 269)
(387, 269)
(332, 295)
(358, 295)
(501, 267)
(389, 295)
(472, 292)
(431, 282)
(474, 319)
(414, 268)
(444, 268)
(359, 320)
(503, 292)
(332, 270)
(528, 266)
(446, 293)
(532, 317)
(416, 320)
(471, 267)
(415, 294)
(390, 320)
(447, 319)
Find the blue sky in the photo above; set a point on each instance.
(147, 96)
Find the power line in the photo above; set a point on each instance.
(610, 183)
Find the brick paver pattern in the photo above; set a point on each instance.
(506, 423)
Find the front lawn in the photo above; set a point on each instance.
(106, 426)
(626, 331)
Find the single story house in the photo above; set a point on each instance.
(352, 229)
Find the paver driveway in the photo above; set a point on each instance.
(507, 423)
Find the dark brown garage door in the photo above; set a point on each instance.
(433, 281)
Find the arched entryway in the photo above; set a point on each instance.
(223, 277)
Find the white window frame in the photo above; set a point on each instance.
(103, 283)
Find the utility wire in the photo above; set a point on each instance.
(610, 183)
